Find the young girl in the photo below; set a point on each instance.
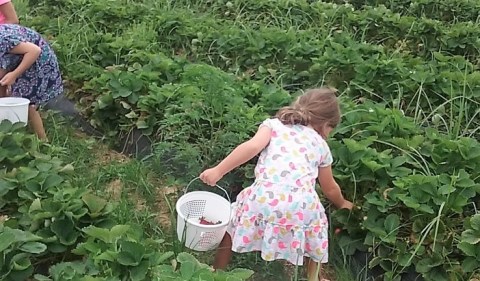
(280, 215)
(29, 65)
(7, 12)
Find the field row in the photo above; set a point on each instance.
(443, 10)
(290, 58)
(376, 25)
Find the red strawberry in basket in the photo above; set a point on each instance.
(206, 222)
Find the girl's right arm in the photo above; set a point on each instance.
(30, 54)
(8, 11)
(238, 156)
(331, 189)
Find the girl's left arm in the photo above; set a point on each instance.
(238, 156)
(8, 11)
(30, 53)
(331, 189)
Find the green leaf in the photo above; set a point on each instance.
(391, 223)
(372, 165)
(6, 186)
(64, 229)
(52, 180)
(5, 126)
(163, 257)
(33, 247)
(21, 262)
(446, 189)
(35, 206)
(118, 231)
(67, 169)
(242, 273)
(131, 253)
(138, 273)
(405, 259)
(468, 249)
(44, 166)
(187, 269)
(206, 276)
(7, 238)
(233, 278)
(185, 257)
(131, 115)
(40, 277)
(409, 201)
(142, 124)
(21, 274)
(97, 232)
(107, 256)
(57, 247)
(94, 203)
(26, 173)
(470, 264)
(475, 222)
(470, 236)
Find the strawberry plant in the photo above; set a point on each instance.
(414, 190)
(17, 248)
(187, 267)
(470, 244)
(444, 10)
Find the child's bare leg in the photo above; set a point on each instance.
(36, 122)
(3, 89)
(224, 253)
(314, 270)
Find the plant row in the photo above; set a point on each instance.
(443, 10)
(377, 25)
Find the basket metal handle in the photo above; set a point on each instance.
(221, 188)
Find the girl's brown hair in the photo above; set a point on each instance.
(316, 107)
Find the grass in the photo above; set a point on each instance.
(108, 173)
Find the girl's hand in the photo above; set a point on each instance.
(211, 176)
(9, 79)
(346, 205)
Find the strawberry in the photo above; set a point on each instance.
(206, 222)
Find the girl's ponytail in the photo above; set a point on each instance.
(293, 115)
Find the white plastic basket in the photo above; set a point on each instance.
(191, 207)
(14, 109)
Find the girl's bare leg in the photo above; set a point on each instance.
(224, 253)
(36, 122)
(314, 270)
(3, 89)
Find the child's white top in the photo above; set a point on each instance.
(293, 156)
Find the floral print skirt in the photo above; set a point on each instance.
(282, 222)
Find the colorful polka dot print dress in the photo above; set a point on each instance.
(280, 214)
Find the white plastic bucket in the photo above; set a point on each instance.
(196, 204)
(14, 109)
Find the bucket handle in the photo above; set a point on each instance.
(221, 188)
